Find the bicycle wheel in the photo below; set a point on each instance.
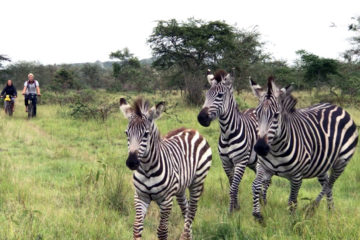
(30, 110)
(10, 108)
(5, 107)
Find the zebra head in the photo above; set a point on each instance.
(272, 104)
(216, 98)
(141, 130)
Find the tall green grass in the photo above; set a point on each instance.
(64, 178)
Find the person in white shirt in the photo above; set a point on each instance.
(31, 90)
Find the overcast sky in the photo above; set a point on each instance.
(69, 31)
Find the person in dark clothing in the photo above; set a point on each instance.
(10, 89)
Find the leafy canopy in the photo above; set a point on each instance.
(3, 58)
(353, 54)
(317, 69)
(190, 45)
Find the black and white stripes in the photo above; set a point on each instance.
(300, 143)
(238, 132)
(164, 167)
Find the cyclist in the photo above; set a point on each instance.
(31, 87)
(10, 89)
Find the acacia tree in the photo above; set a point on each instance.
(351, 69)
(92, 74)
(318, 71)
(283, 73)
(245, 57)
(353, 54)
(188, 49)
(63, 80)
(126, 70)
(3, 58)
(185, 50)
(130, 74)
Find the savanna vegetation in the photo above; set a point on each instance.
(182, 53)
(63, 174)
(64, 177)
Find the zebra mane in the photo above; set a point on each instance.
(269, 86)
(288, 101)
(220, 75)
(140, 106)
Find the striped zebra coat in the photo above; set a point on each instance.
(300, 143)
(164, 167)
(237, 132)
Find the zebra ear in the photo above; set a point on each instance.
(256, 89)
(272, 88)
(125, 108)
(155, 112)
(287, 90)
(228, 80)
(213, 82)
(210, 78)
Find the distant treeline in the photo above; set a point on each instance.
(182, 53)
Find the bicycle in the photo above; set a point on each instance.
(9, 104)
(32, 104)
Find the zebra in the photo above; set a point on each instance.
(300, 143)
(237, 132)
(164, 167)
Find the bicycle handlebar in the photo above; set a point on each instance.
(11, 96)
(31, 94)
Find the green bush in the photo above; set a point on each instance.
(69, 97)
(97, 110)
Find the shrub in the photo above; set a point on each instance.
(64, 79)
(70, 97)
(98, 111)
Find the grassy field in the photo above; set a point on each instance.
(64, 178)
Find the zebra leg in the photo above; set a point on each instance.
(335, 173)
(183, 203)
(141, 206)
(323, 179)
(195, 193)
(295, 184)
(265, 185)
(234, 187)
(256, 189)
(165, 209)
(228, 168)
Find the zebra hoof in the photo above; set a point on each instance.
(259, 218)
(311, 209)
(292, 210)
(331, 206)
(292, 207)
(234, 208)
(263, 201)
(186, 236)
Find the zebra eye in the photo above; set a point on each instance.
(146, 134)
(276, 115)
(220, 95)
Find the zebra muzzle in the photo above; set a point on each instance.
(203, 117)
(261, 147)
(132, 162)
